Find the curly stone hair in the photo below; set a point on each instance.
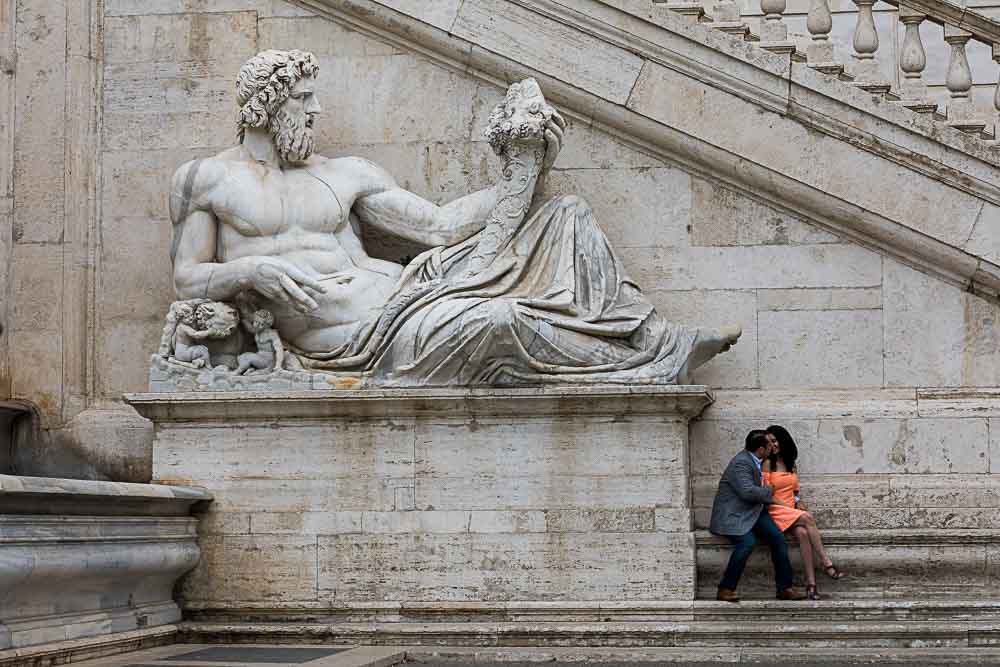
(264, 83)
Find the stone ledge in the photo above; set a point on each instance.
(592, 612)
(88, 648)
(879, 564)
(742, 633)
(48, 496)
(728, 654)
(560, 401)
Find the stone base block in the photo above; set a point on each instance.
(87, 559)
(355, 497)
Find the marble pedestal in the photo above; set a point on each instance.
(345, 500)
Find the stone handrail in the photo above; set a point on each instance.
(960, 25)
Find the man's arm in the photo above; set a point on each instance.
(741, 478)
(390, 208)
(197, 274)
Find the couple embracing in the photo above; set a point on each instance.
(758, 499)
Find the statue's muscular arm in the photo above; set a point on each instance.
(385, 205)
(197, 271)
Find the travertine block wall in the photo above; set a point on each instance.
(434, 495)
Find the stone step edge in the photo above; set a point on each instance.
(638, 633)
(594, 611)
(597, 655)
(88, 648)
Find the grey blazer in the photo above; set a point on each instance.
(740, 497)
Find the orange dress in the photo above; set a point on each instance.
(786, 487)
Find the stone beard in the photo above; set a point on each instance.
(293, 140)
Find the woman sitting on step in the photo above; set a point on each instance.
(779, 473)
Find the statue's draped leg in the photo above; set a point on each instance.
(555, 305)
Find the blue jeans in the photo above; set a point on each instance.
(766, 530)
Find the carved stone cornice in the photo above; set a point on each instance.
(666, 46)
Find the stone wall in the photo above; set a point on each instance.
(826, 322)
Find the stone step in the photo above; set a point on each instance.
(878, 564)
(691, 656)
(832, 611)
(744, 632)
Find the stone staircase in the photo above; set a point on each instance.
(940, 630)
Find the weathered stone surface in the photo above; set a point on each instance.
(643, 207)
(39, 138)
(723, 217)
(866, 298)
(37, 273)
(935, 357)
(321, 37)
(548, 566)
(820, 348)
(180, 37)
(439, 14)
(585, 62)
(507, 521)
(303, 523)
(462, 495)
(759, 267)
(985, 239)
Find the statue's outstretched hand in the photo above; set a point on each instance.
(279, 280)
(554, 129)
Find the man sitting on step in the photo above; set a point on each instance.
(737, 513)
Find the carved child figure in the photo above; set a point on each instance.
(270, 352)
(185, 335)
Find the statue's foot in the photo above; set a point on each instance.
(730, 333)
(709, 343)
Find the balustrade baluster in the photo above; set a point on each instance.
(912, 60)
(773, 31)
(961, 112)
(865, 70)
(819, 53)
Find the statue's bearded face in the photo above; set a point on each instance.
(291, 126)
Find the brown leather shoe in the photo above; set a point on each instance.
(791, 593)
(727, 595)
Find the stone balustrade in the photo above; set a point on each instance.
(960, 26)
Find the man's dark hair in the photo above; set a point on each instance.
(756, 439)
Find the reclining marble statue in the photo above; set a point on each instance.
(508, 291)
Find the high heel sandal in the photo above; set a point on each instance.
(812, 593)
(832, 571)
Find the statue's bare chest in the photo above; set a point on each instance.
(258, 202)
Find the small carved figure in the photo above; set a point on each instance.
(191, 321)
(185, 335)
(270, 352)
